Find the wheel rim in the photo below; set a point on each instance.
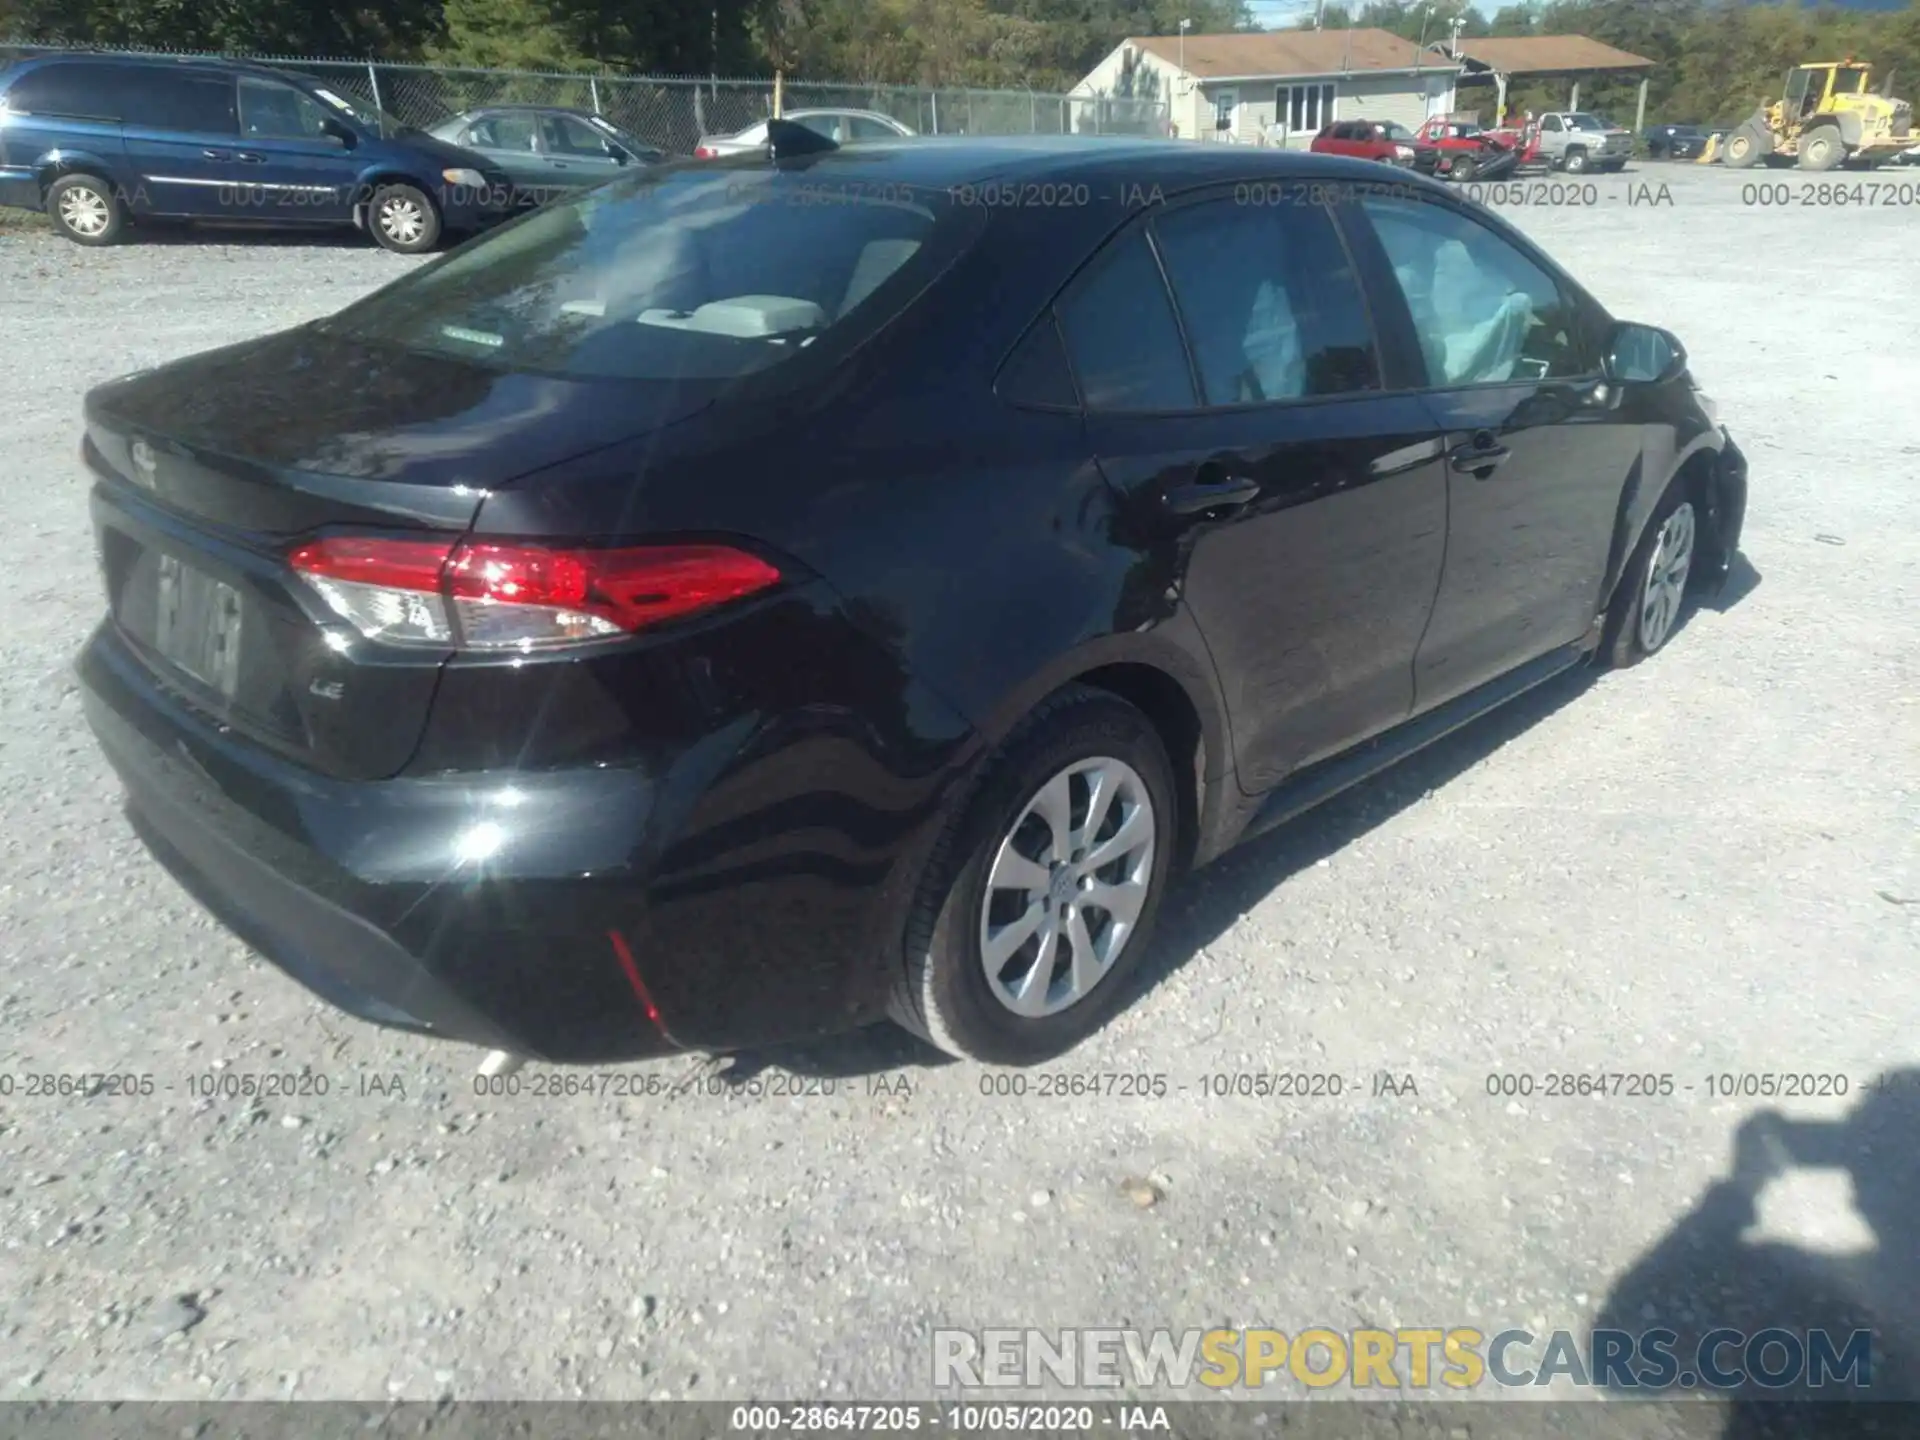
(84, 211)
(402, 220)
(1666, 579)
(1066, 887)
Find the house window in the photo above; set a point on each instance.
(1225, 102)
(1303, 107)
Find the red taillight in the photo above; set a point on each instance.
(705, 152)
(489, 595)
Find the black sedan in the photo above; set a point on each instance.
(699, 615)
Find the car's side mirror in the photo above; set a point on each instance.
(335, 130)
(615, 153)
(1643, 354)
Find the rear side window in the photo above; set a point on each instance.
(1121, 333)
(1272, 306)
(696, 274)
(158, 100)
(1037, 373)
(77, 90)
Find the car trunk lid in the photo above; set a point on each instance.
(211, 470)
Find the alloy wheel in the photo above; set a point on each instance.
(84, 211)
(1666, 578)
(1066, 887)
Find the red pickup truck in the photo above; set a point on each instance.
(1384, 140)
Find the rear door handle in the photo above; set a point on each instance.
(217, 154)
(1478, 457)
(1198, 497)
(251, 157)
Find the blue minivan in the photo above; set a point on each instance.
(103, 141)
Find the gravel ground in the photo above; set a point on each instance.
(1706, 864)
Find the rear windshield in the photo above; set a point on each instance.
(700, 273)
(1581, 120)
(1393, 130)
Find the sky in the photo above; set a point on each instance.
(1275, 13)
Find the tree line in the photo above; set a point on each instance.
(1715, 59)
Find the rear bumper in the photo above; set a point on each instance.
(471, 911)
(682, 846)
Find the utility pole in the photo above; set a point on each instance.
(1453, 43)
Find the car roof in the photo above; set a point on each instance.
(938, 160)
(515, 108)
(840, 110)
(163, 62)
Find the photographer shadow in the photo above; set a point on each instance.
(1707, 1274)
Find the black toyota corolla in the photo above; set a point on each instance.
(756, 599)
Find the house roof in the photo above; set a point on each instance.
(1547, 55)
(1279, 53)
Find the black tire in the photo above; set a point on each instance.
(1745, 148)
(1822, 149)
(1575, 161)
(945, 995)
(85, 210)
(403, 219)
(1625, 641)
(1464, 169)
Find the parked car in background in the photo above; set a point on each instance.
(1384, 140)
(1467, 150)
(100, 142)
(1578, 140)
(699, 618)
(1674, 142)
(840, 126)
(548, 150)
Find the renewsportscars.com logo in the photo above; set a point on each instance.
(1457, 1358)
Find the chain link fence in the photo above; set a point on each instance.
(674, 112)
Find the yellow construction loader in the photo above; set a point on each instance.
(1826, 118)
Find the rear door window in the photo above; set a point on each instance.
(1270, 300)
(833, 126)
(1121, 333)
(688, 275)
(195, 104)
(75, 90)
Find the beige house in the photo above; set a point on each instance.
(1274, 86)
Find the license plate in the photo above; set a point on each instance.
(198, 624)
